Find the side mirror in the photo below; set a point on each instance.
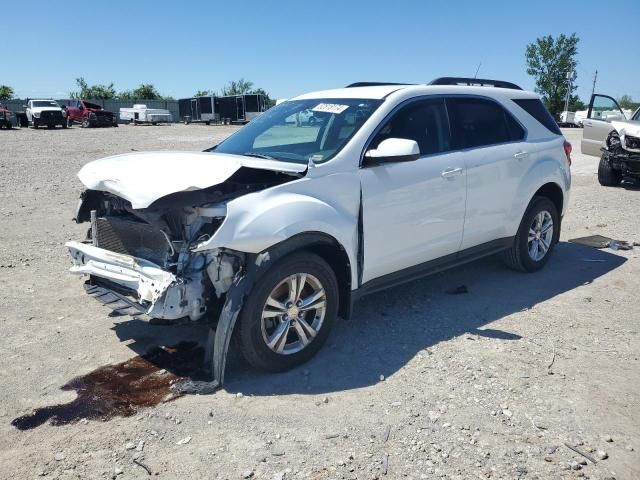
(393, 150)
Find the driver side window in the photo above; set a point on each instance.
(424, 121)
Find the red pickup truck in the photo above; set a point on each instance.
(89, 114)
(5, 117)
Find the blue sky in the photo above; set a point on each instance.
(290, 47)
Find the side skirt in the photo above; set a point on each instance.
(432, 266)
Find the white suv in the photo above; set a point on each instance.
(283, 226)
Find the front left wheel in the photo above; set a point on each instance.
(288, 315)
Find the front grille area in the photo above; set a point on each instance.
(49, 115)
(130, 237)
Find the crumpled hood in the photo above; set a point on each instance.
(144, 177)
(630, 127)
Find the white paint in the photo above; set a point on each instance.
(144, 177)
(631, 128)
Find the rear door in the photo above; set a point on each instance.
(490, 141)
(602, 111)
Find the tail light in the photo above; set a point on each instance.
(567, 151)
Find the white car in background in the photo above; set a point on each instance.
(45, 112)
(613, 134)
(282, 231)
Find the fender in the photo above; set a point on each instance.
(540, 173)
(256, 222)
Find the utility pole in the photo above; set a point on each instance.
(570, 81)
(593, 89)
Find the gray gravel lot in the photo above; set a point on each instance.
(419, 384)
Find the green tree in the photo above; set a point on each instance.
(237, 87)
(145, 91)
(6, 92)
(204, 93)
(242, 86)
(549, 60)
(625, 101)
(98, 92)
(576, 104)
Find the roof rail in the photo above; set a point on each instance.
(474, 82)
(373, 84)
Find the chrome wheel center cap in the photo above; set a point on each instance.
(538, 235)
(292, 312)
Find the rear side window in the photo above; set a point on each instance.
(476, 122)
(537, 110)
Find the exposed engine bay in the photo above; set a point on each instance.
(145, 256)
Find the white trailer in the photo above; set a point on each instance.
(139, 113)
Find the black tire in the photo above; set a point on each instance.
(518, 257)
(607, 176)
(34, 122)
(312, 121)
(250, 332)
(86, 123)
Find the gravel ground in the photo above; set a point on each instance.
(419, 384)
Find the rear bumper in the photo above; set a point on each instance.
(157, 292)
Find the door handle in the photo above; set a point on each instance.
(450, 172)
(588, 124)
(521, 155)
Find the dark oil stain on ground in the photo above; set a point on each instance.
(122, 389)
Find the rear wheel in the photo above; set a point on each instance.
(536, 237)
(289, 313)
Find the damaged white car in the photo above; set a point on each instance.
(282, 226)
(616, 140)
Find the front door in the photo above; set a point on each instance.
(413, 211)
(602, 111)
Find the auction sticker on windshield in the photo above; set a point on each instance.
(330, 108)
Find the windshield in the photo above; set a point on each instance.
(636, 116)
(299, 130)
(45, 103)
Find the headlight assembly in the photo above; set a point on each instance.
(632, 143)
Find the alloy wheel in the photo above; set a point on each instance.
(540, 235)
(293, 313)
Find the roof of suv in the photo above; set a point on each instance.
(382, 91)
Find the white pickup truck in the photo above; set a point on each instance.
(45, 112)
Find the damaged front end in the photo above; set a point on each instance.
(144, 257)
(151, 260)
(622, 149)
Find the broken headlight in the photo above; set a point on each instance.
(632, 143)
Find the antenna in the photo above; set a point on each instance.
(593, 89)
(477, 70)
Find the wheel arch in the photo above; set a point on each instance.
(331, 251)
(553, 192)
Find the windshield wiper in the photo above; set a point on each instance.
(259, 155)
